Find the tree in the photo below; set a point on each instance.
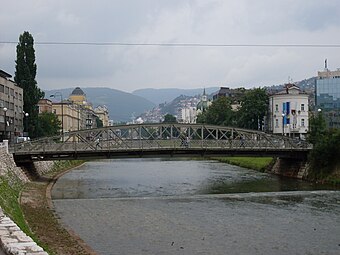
(99, 122)
(254, 105)
(25, 73)
(219, 113)
(48, 124)
(169, 118)
(324, 158)
(202, 117)
(318, 128)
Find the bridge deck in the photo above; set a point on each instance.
(154, 140)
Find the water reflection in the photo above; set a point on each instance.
(158, 177)
(195, 207)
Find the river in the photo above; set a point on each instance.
(157, 206)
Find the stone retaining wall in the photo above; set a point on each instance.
(43, 167)
(13, 241)
(9, 168)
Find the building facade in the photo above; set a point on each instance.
(187, 115)
(327, 96)
(11, 108)
(69, 114)
(44, 105)
(288, 112)
(103, 114)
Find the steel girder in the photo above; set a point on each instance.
(162, 136)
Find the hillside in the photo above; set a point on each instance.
(158, 96)
(121, 105)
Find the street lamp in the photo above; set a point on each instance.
(283, 125)
(26, 122)
(62, 111)
(5, 111)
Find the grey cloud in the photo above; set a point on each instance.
(175, 21)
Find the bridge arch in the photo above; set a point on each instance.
(159, 139)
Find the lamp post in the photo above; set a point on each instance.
(26, 122)
(5, 115)
(62, 111)
(283, 125)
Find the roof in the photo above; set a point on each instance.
(288, 90)
(4, 74)
(78, 91)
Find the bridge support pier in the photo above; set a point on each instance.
(291, 167)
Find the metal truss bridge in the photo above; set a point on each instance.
(157, 140)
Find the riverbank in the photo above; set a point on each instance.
(27, 204)
(265, 164)
(36, 205)
(260, 164)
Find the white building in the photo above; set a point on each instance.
(288, 112)
(188, 115)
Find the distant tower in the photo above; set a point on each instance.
(204, 96)
(203, 104)
(326, 68)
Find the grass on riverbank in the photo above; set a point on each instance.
(257, 163)
(35, 220)
(10, 188)
(10, 191)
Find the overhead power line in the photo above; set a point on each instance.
(183, 44)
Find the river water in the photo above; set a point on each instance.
(157, 206)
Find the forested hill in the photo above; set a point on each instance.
(121, 105)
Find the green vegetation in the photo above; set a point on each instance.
(25, 72)
(99, 122)
(253, 107)
(259, 164)
(219, 113)
(48, 124)
(10, 188)
(324, 158)
(169, 118)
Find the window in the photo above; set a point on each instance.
(6, 90)
(2, 88)
(302, 107)
(276, 107)
(302, 122)
(12, 92)
(276, 123)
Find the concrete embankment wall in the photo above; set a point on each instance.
(290, 168)
(12, 239)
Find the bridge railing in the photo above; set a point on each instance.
(160, 136)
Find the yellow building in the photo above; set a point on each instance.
(78, 96)
(69, 115)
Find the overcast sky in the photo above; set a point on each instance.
(172, 21)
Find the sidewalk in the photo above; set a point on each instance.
(14, 241)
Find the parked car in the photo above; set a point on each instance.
(22, 139)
